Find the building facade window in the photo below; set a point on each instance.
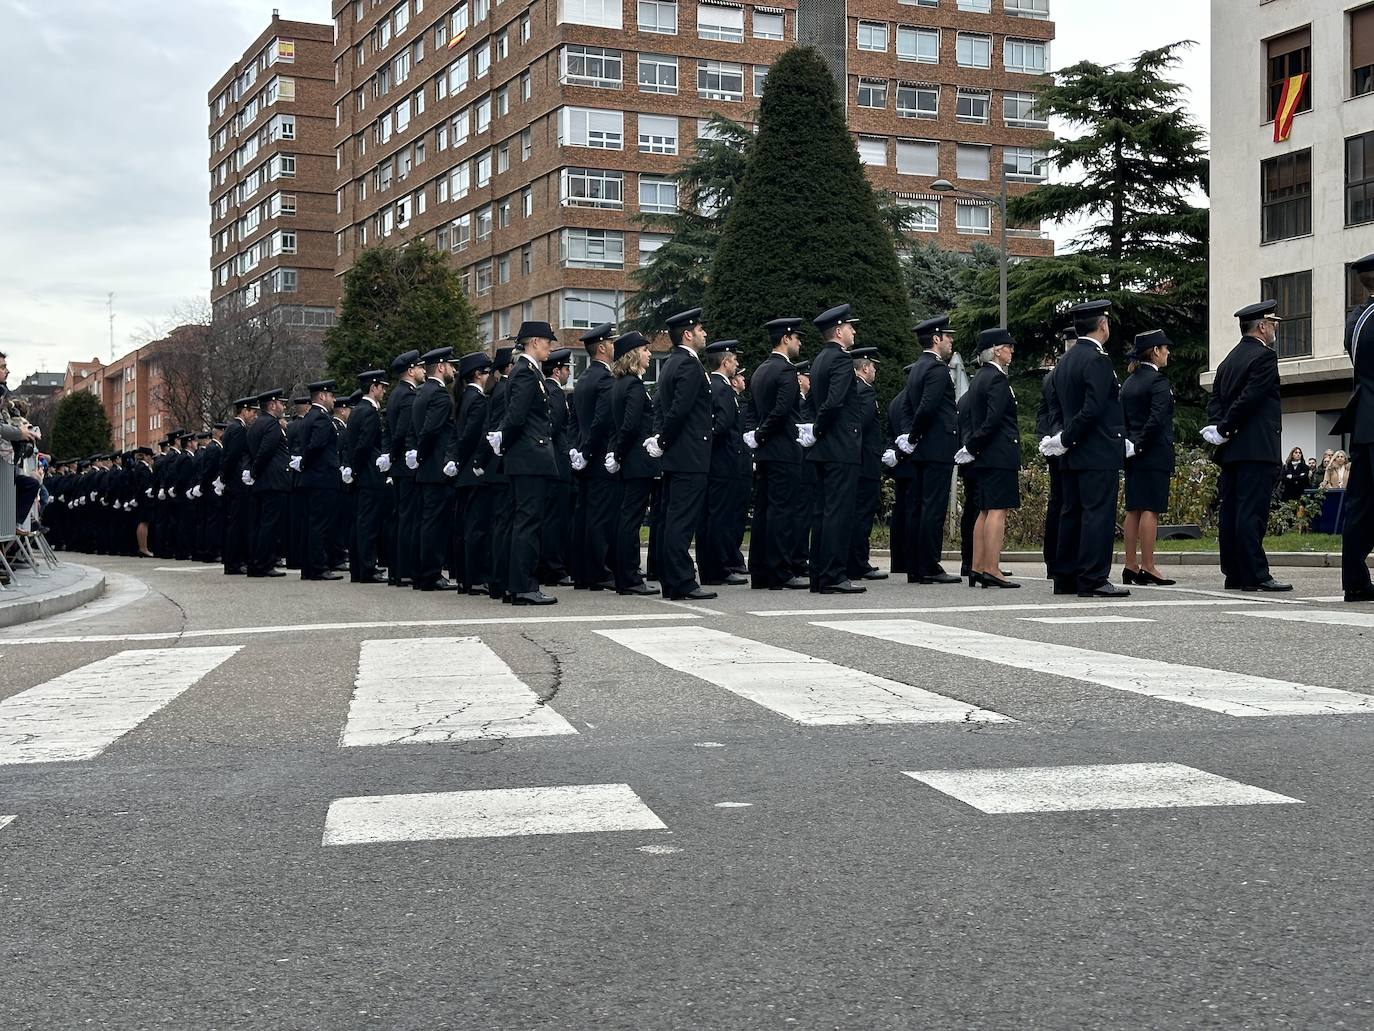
(602, 13)
(972, 106)
(973, 51)
(592, 66)
(1286, 196)
(873, 150)
(658, 16)
(918, 101)
(717, 80)
(1028, 8)
(918, 157)
(657, 74)
(1294, 294)
(1289, 55)
(920, 45)
(768, 24)
(657, 134)
(872, 93)
(872, 35)
(1359, 179)
(973, 219)
(1362, 51)
(657, 196)
(592, 248)
(1024, 164)
(720, 23)
(1026, 55)
(971, 162)
(591, 127)
(1018, 109)
(592, 187)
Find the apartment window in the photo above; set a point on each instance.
(722, 23)
(483, 278)
(592, 66)
(1356, 293)
(592, 248)
(768, 24)
(483, 107)
(873, 150)
(657, 74)
(526, 143)
(918, 101)
(524, 28)
(1289, 55)
(1362, 51)
(592, 187)
(1294, 294)
(1025, 55)
(484, 168)
(603, 13)
(872, 35)
(526, 260)
(923, 217)
(503, 158)
(717, 80)
(657, 196)
(502, 46)
(976, 6)
(649, 243)
(590, 127)
(972, 219)
(972, 51)
(458, 128)
(525, 85)
(657, 134)
(584, 309)
(1024, 164)
(1286, 196)
(1028, 8)
(1359, 179)
(526, 202)
(459, 181)
(484, 222)
(972, 106)
(873, 93)
(481, 62)
(920, 45)
(502, 101)
(503, 270)
(760, 76)
(918, 157)
(503, 213)
(658, 16)
(972, 162)
(1018, 109)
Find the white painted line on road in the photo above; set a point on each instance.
(80, 714)
(5, 821)
(1065, 789)
(305, 628)
(120, 590)
(1082, 620)
(1347, 617)
(510, 812)
(1096, 606)
(187, 569)
(699, 609)
(1325, 599)
(1218, 690)
(463, 692)
(734, 805)
(798, 686)
(1257, 597)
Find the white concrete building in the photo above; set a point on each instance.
(1288, 218)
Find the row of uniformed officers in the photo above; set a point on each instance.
(486, 469)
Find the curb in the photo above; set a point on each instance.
(90, 587)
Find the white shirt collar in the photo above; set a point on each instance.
(372, 402)
(1151, 365)
(316, 404)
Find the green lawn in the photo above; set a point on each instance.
(1319, 542)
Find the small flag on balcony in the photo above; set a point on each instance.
(1288, 105)
(458, 37)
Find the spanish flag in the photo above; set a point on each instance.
(462, 34)
(1288, 105)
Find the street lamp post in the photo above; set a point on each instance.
(613, 309)
(1000, 202)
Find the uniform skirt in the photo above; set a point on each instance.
(996, 488)
(1147, 490)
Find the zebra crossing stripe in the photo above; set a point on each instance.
(1062, 789)
(5, 821)
(465, 693)
(801, 687)
(1223, 691)
(80, 714)
(510, 812)
(1324, 616)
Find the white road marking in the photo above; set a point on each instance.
(120, 590)
(305, 628)
(1082, 620)
(734, 805)
(798, 686)
(1256, 596)
(5, 821)
(1325, 599)
(574, 809)
(463, 693)
(1345, 617)
(187, 569)
(1096, 606)
(659, 850)
(1223, 691)
(699, 609)
(80, 714)
(1064, 789)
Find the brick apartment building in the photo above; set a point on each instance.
(272, 178)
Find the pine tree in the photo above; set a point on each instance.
(397, 300)
(804, 231)
(80, 427)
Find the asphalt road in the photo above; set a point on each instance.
(180, 878)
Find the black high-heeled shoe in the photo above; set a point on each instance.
(976, 580)
(1147, 579)
(1128, 576)
(996, 581)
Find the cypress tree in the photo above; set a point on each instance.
(804, 232)
(80, 427)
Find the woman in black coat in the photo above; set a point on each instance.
(1296, 476)
(632, 417)
(1148, 406)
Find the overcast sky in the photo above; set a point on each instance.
(103, 154)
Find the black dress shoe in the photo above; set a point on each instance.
(1270, 586)
(275, 572)
(1065, 585)
(437, 585)
(331, 575)
(641, 589)
(1147, 579)
(373, 579)
(937, 578)
(604, 585)
(234, 571)
(477, 589)
(987, 580)
(731, 580)
(875, 574)
(843, 587)
(696, 594)
(1106, 590)
(567, 581)
(534, 598)
(1360, 594)
(1128, 576)
(796, 584)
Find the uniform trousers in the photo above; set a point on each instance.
(1357, 540)
(805, 514)
(772, 545)
(340, 528)
(210, 541)
(865, 511)
(721, 513)
(1054, 506)
(435, 508)
(186, 512)
(320, 506)
(683, 496)
(1246, 490)
(927, 499)
(653, 567)
(553, 552)
(407, 528)
(634, 502)
(896, 527)
(299, 516)
(600, 505)
(474, 514)
(833, 514)
(369, 504)
(269, 514)
(529, 498)
(502, 516)
(967, 518)
(1087, 525)
(237, 538)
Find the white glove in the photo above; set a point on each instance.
(578, 461)
(751, 440)
(904, 442)
(1130, 448)
(412, 459)
(104, 503)
(806, 434)
(295, 463)
(248, 478)
(389, 481)
(91, 496)
(1053, 447)
(195, 491)
(477, 470)
(172, 493)
(161, 495)
(612, 466)
(494, 440)
(218, 485)
(653, 446)
(346, 474)
(962, 456)
(131, 506)
(384, 463)
(889, 458)
(148, 492)
(450, 469)
(1213, 436)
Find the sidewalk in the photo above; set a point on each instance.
(1277, 559)
(30, 597)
